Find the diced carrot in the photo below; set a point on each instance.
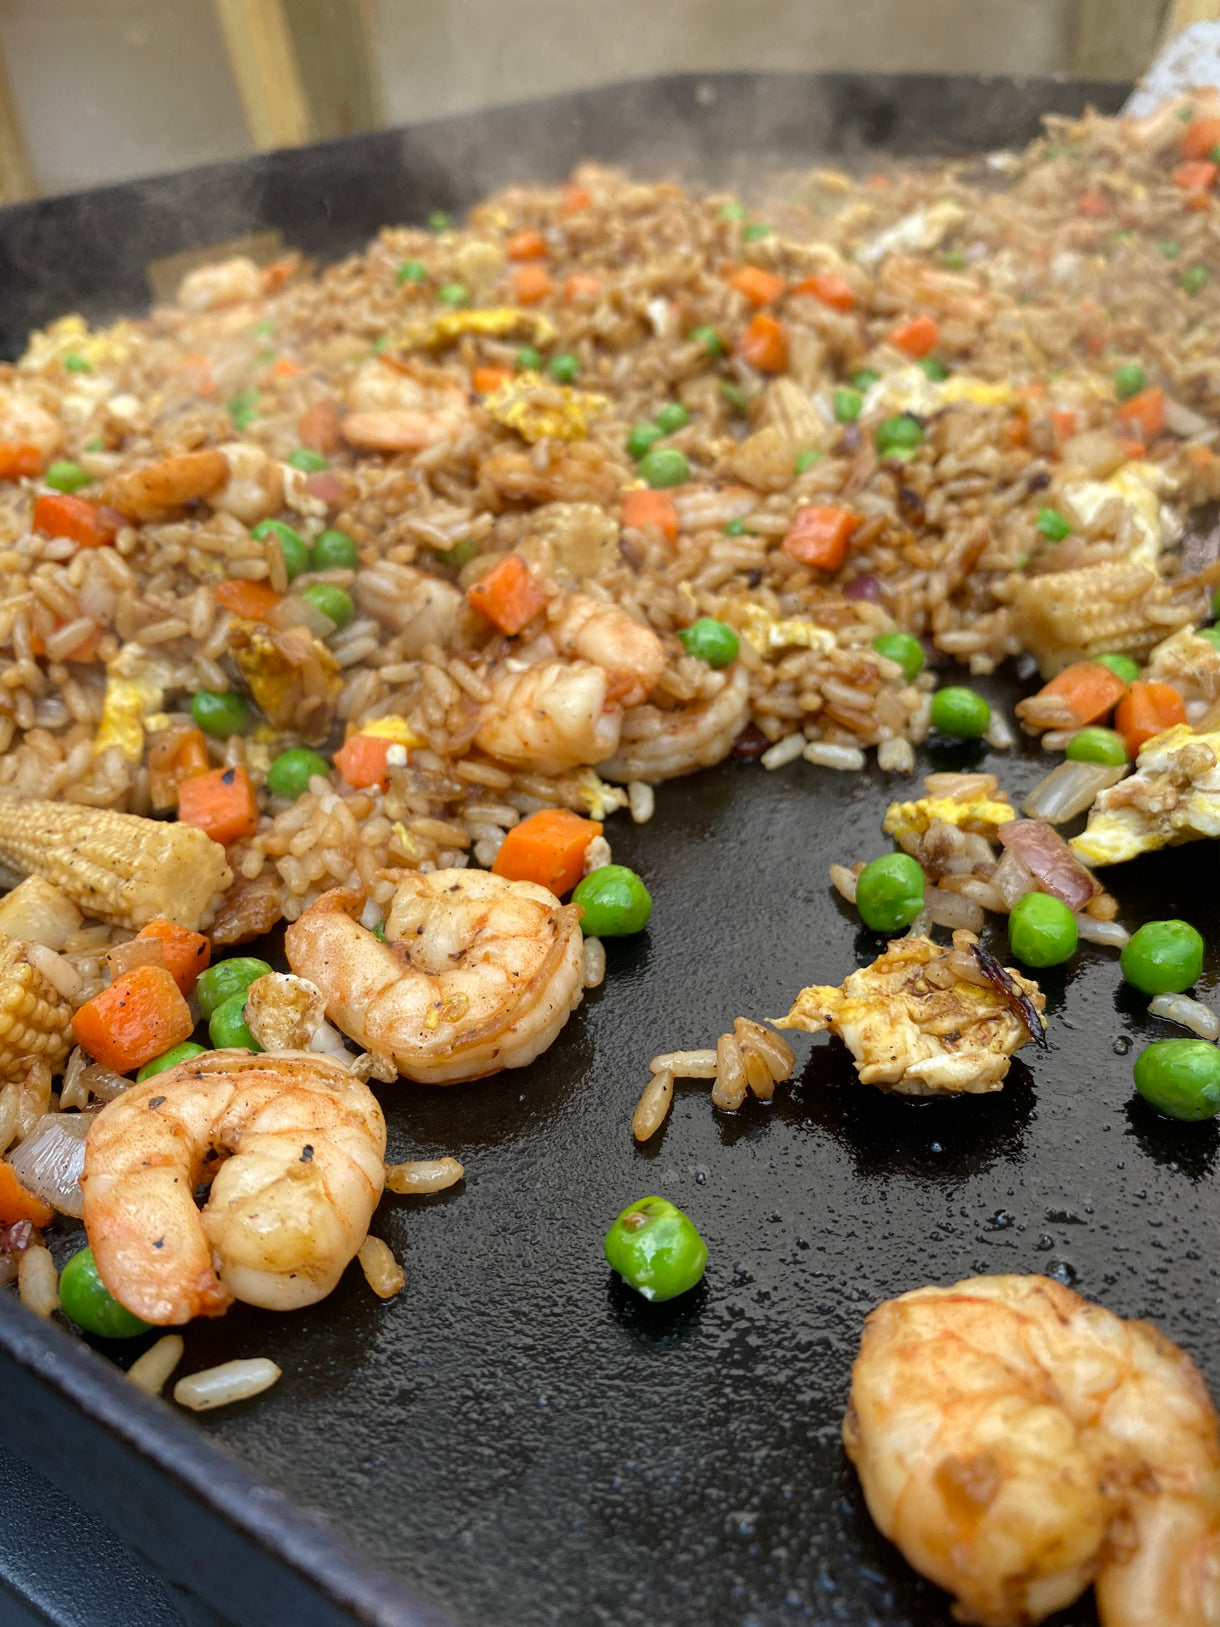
(318, 426)
(488, 379)
(1017, 429)
(575, 198)
(1200, 456)
(818, 536)
(275, 274)
(530, 283)
(221, 802)
(547, 848)
(138, 1017)
(16, 1203)
(252, 601)
(1144, 414)
(19, 460)
(1200, 137)
(917, 338)
(509, 596)
(176, 754)
(186, 953)
(764, 344)
(363, 760)
(830, 288)
(1197, 203)
(285, 367)
(1089, 688)
(1064, 422)
(1133, 449)
(581, 285)
(1093, 203)
(643, 507)
(61, 515)
(1196, 175)
(1147, 709)
(526, 245)
(760, 287)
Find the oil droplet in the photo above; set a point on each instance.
(1062, 1272)
(1000, 1221)
(1122, 1045)
(1044, 1242)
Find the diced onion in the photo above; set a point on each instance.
(125, 957)
(1049, 859)
(1192, 1014)
(51, 1160)
(1011, 880)
(1108, 933)
(953, 910)
(60, 973)
(1068, 790)
(104, 1083)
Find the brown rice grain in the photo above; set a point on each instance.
(423, 1175)
(593, 963)
(151, 1371)
(653, 1107)
(381, 1270)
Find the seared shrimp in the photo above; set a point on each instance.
(476, 973)
(423, 607)
(658, 745)
(551, 718)
(1018, 1443)
(225, 282)
(630, 654)
(293, 1145)
(157, 490)
(393, 412)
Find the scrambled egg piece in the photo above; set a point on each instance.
(914, 1027)
(1173, 796)
(765, 633)
(539, 410)
(1190, 663)
(983, 816)
(135, 694)
(393, 728)
(599, 798)
(915, 233)
(1139, 485)
(71, 336)
(449, 326)
(292, 676)
(909, 389)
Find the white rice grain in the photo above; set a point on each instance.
(845, 880)
(151, 1371)
(686, 1064)
(1108, 933)
(593, 963)
(642, 800)
(784, 751)
(231, 1381)
(1192, 1014)
(896, 757)
(38, 1280)
(826, 755)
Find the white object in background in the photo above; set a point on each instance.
(1190, 59)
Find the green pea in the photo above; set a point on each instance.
(806, 460)
(243, 409)
(379, 344)
(169, 1059)
(411, 271)
(711, 641)
(672, 417)
(734, 211)
(1122, 666)
(331, 601)
(935, 370)
(960, 712)
(308, 461)
(1211, 634)
(453, 293)
(379, 932)
(1163, 957)
(737, 528)
(615, 901)
(898, 437)
(264, 357)
(1180, 1077)
(642, 438)
(903, 648)
(735, 397)
(656, 1249)
(227, 1026)
(334, 550)
(755, 232)
(1129, 380)
(460, 554)
(1042, 930)
(864, 377)
(1170, 249)
(291, 772)
(847, 404)
(296, 554)
(954, 260)
(889, 892)
(529, 360)
(86, 1300)
(1052, 524)
(263, 330)
(709, 339)
(438, 221)
(1096, 745)
(1195, 280)
(665, 466)
(226, 978)
(220, 715)
(66, 476)
(77, 364)
(564, 368)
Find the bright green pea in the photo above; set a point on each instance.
(1211, 634)
(903, 648)
(1170, 249)
(1096, 745)
(672, 417)
(243, 409)
(564, 368)
(960, 712)
(806, 460)
(263, 330)
(755, 232)
(1163, 957)
(737, 528)
(529, 360)
(615, 901)
(334, 550)
(898, 437)
(77, 364)
(308, 461)
(734, 211)
(664, 466)
(379, 344)
(935, 370)
(711, 641)
(291, 772)
(292, 545)
(1129, 380)
(642, 438)
(453, 293)
(265, 357)
(460, 554)
(735, 397)
(331, 601)
(1180, 1077)
(889, 892)
(227, 1026)
(170, 1059)
(85, 1298)
(864, 377)
(954, 260)
(847, 404)
(411, 271)
(709, 339)
(1195, 280)
(656, 1249)
(1042, 930)
(438, 221)
(1122, 666)
(220, 714)
(66, 476)
(1052, 524)
(225, 979)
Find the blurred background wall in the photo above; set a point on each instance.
(104, 90)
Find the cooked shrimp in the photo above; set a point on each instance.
(157, 490)
(293, 1145)
(26, 423)
(657, 745)
(476, 973)
(631, 654)
(421, 606)
(1018, 1443)
(253, 488)
(393, 412)
(226, 282)
(551, 717)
